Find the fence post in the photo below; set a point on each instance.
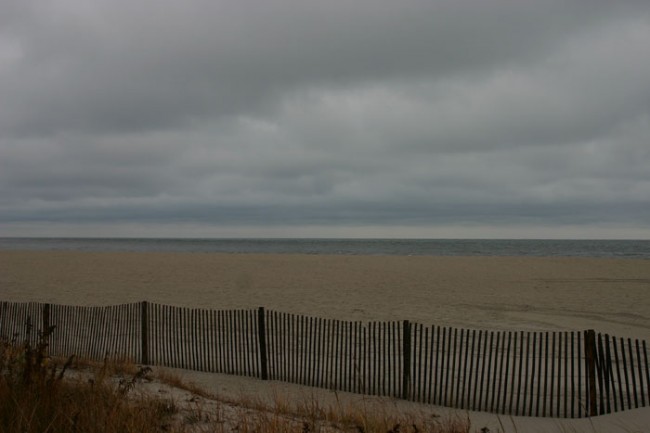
(406, 364)
(261, 331)
(590, 360)
(145, 332)
(46, 318)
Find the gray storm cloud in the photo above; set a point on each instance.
(475, 114)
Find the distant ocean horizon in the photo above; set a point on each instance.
(403, 247)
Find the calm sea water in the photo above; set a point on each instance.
(429, 247)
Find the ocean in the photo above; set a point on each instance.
(427, 247)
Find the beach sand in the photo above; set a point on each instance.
(503, 293)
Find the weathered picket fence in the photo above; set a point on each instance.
(556, 374)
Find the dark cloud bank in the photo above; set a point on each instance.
(291, 118)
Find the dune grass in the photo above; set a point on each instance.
(40, 394)
(36, 395)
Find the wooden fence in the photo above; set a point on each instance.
(548, 374)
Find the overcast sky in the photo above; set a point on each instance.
(379, 118)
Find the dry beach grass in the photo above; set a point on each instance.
(38, 394)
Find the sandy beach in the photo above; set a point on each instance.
(506, 293)
(503, 293)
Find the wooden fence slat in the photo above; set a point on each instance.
(181, 338)
(218, 341)
(539, 374)
(234, 344)
(514, 372)
(236, 341)
(478, 382)
(313, 331)
(144, 331)
(446, 348)
(262, 333)
(274, 332)
(548, 396)
(573, 375)
(419, 369)
(329, 355)
(172, 335)
(294, 338)
(454, 377)
(566, 374)
(555, 396)
(625, 373)
(82, 331)
(318, 364)
(281, 358)
(603, 377)
(227, 338)
(272, 342)
(164, 325)
(467, 374)
(254, 349)
(647, 369)
(102, 337)
(4, 319)
(288, 346)
(506, 373)
(424, 363)
(243, 342)
(205, 337)
(280, 348)
(346, 345)
(639, 365)
(214, 341)
(169, 318)
(464, 335)
(345, 370)
(495, 380)
(526, 377)
(632, 373)
(406, 356)
(291, 344)
(229, 343)
(312, 351)
(239, 351)
(381, 361)
(364, 359)
(354, 379)
(246, 343)
(384, 357)
(74, 333)
(430, 331)
(232, 341)
(307, 351)
(154, 334)
(244, 349)
(334, 354)
(435, 334)
(109, 331)
(304, 329)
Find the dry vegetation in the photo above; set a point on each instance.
(41, 394)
